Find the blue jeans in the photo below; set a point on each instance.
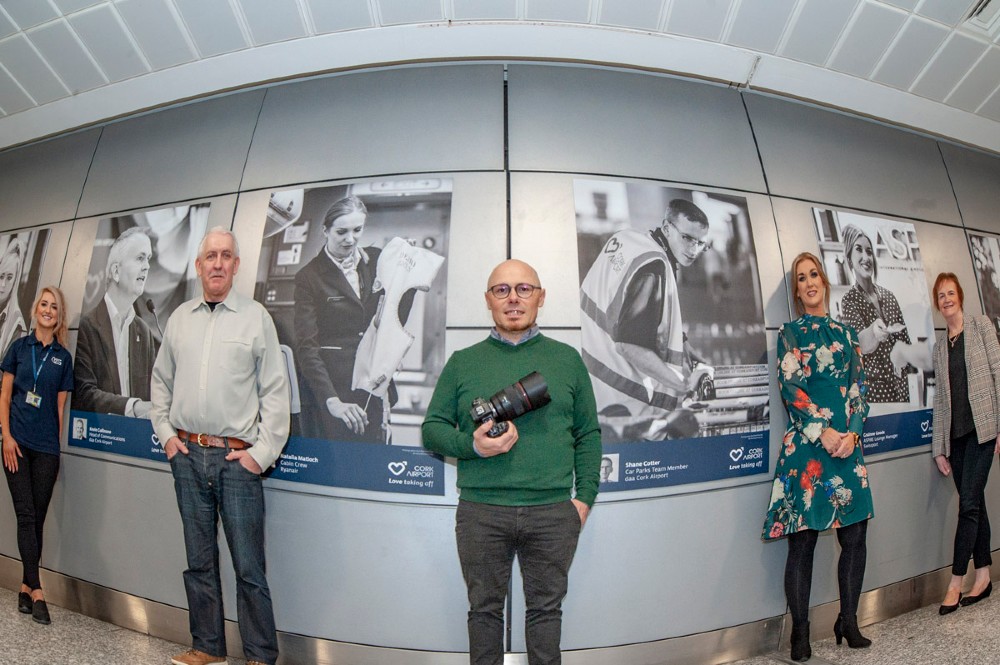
(208, 486)
(544, 539)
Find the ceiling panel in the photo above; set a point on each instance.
(60, 48)
(6, 27)
(394, 12)
(156, 29)
(273, 20)
(698, 18)
(947, 68)
(867, 39)
(641, 14)
(904, 4)
(213, 26)
(991, 109)
(916, 44)
(104, 35)
(70, 6)
(29, 13)
(817, 29)
(343, 15)
(12, 97)
(469, 10)
(759, 24)
(28, 68)
(981, 82)
(949, 12)
(575, 11)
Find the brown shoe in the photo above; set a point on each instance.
(195, 657)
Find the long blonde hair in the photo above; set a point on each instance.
(62, 330)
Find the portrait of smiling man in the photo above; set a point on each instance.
(116, 349)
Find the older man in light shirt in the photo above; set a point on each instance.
(220, 407)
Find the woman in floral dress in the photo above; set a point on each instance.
(820, 480)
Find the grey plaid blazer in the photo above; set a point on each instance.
(982, 364)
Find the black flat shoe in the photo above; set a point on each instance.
(948, 609)
(40, 613)
(24, 602)
(972, 600)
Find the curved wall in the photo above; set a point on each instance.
(367, 568)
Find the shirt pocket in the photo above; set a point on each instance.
(236, 355)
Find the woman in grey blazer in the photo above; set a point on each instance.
(967, 369)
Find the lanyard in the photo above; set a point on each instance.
(35, 368)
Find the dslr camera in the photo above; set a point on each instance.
(528, 394)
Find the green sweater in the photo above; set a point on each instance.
(553, 442)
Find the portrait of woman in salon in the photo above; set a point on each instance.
(874, 312)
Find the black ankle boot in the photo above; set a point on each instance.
(848, 627)
(800, 642)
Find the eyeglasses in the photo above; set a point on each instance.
(693, 242)
(501, 291)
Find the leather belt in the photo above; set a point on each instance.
(211, 441)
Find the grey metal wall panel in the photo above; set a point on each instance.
(117, 525)
(43, 182)
(364, 572)
(399, 121)
(976, 178)
(596, 121)
(188, 152)
(825, 156)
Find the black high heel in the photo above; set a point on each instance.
(848, 627)
(972, 600)
(24, 602)
(800, 643)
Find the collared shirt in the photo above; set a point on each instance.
(120, 321)
(222, 372)
(531, 332)
(349, 266)
(33, 427)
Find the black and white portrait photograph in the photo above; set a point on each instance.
(20, 257)
(141, 269)
(354, 278)
(671, 312)
(878, 287)
(986, 260)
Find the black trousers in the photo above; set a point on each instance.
(971, 462)
(31, 489)
(850, 569)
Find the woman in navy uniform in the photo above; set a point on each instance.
(37, 377)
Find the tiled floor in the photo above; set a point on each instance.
(969, 636)
(74, 639)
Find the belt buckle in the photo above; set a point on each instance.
(198, 441)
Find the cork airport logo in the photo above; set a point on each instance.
(397, 468)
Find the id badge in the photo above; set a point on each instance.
(33, 399)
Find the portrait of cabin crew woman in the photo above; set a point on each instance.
(336, 297)
(967, 368)
(37, 377)
(874, 313)
(12, 323)
(820, 479)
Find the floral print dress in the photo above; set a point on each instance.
(822, 385)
